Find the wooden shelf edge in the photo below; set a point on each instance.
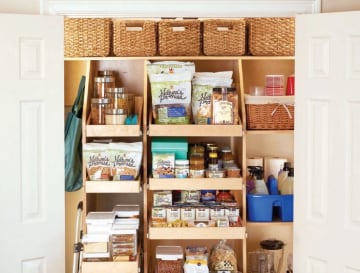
(197, 233)
(111, 267)
(196, 130)
(195, 183)
(125, 186)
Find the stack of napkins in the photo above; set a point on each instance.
(96, 241)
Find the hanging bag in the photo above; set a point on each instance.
(73, 144)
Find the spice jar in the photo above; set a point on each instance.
(104, 80)
(197, 166)
(98, 106)
(181, 168)
(213, 159)
(115, 116)
(226, 156)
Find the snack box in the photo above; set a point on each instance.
(176, 145)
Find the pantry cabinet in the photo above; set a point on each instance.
(130, 72)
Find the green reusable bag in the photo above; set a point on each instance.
(73, 144)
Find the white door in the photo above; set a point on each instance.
(327, 144)
(32, 222)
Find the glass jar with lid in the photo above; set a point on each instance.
(105, 79)
(197, 166)
(114, 116)
(98, 106)
(120, 98)
(213, 160)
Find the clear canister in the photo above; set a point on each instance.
(115, 116)
(102, 82)
(121, 99)
(98, 106)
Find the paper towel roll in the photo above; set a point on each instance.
(272, 165)
(254, 161)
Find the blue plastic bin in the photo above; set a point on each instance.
(266, 208)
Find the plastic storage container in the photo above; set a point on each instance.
(266, 208)
(179, 146)
(169, 259)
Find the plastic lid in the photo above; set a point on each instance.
(116, 90)
(272, 244)
(181, 162)
(115, 111)
(100, 100)
(104, 79)
(169, 253)
(102, 73)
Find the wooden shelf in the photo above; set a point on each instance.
(110, 267)
(197, 233)
(196, 130)
(113, 130)
(195, 183)
(124, 186)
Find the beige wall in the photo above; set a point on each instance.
(33, 6)
(339, 5)
(20, 6)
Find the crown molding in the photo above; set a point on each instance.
(177, 8)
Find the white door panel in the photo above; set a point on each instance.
(32, 143)
(327, 147)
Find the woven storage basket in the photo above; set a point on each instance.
(179, 37)
(86, 37)
(271, 36)
(224, 37)
(269, 112)
(134, 38)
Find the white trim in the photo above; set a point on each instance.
(179, 8)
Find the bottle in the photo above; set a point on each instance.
(260, 186)
(272, 185)
(288, 185)
(283, 174)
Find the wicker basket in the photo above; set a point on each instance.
(179, 37)
(269, 112)
(224, 37)
(271, 36)
(87, 37)
(134, 38)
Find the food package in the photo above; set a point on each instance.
(223, 258)
(225, 106)
(97, 160)
(202, 87)
(171, 91)
(126, 160)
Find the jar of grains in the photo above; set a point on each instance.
(197, 166)
(98, 106)
(115, 116)
(120, 98)
(169, 259)
(102, 82)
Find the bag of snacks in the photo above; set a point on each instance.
(202, 88)
(125, 160)
(97, 160)
(171, 91)
(223, 258)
